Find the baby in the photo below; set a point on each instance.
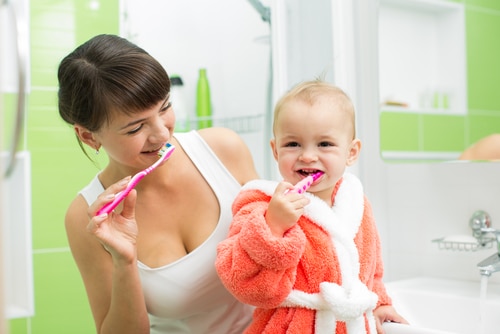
(310, 262)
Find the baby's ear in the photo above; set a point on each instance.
(354, 150)
(274, 148)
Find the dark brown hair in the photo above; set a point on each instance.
(108, 74)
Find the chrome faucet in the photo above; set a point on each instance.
(489, 265)
(480, 223)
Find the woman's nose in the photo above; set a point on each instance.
(160, 132)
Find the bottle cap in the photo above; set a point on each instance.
(176, 80)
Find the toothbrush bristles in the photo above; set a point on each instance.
(164, 149)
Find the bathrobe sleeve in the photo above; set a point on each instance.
(257, 267)
(370, 256)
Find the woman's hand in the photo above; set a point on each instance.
(117, 232)
(284, 209)
(386, 313)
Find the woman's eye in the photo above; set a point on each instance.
(166, 107)
(131, 132)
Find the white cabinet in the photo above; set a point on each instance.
(15, 238)
(16, 267)
(422, 56)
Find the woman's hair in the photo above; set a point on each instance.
(108, 74)
(311, 91)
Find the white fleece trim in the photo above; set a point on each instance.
(266, 186)
(353, 299)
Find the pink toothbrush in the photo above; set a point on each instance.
(305, 183)
(164, 153)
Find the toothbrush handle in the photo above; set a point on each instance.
(303, 185)
(121, 195)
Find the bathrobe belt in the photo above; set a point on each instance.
(334, 303)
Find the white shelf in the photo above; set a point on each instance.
(240, 124)
(421, 53)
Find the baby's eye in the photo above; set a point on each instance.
(326, 144)
(292, 144)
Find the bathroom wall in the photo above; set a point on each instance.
(413, 203)
(429, 201)
(417, 202)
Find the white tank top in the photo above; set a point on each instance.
(186, 296)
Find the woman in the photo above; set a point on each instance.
(148, 266)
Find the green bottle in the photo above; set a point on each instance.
(203, 103)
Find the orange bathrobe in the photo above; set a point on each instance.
(323, 276)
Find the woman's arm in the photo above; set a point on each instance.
(105, 252)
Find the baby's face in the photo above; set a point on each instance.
(311, 138)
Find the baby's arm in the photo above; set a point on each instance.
(386, 313)
(256, 266)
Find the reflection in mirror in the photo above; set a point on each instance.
(487, 148)
(437, 80)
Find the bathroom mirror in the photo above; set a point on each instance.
(437, 79)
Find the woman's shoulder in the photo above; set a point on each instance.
(231, 149)
(75, 223)
(221, 138)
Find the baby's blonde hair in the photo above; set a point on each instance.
(310, 92)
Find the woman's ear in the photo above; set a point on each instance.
(87, 137)
(354, 152)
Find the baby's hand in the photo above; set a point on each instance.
(385, 313)
(284, 209)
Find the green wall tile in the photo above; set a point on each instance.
(482, 125)
(61, 304)
(52, 36)
(399, 131)
(483, 53)
(70, 170)
(56, 27)
(18, 326)
(443, 133)
(50, 138)
(486, 4)
(43, 98)
(91, 22)
(44, 67)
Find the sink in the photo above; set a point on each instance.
(395, 328)
(444, 306)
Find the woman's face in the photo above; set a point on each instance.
(134, 140)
